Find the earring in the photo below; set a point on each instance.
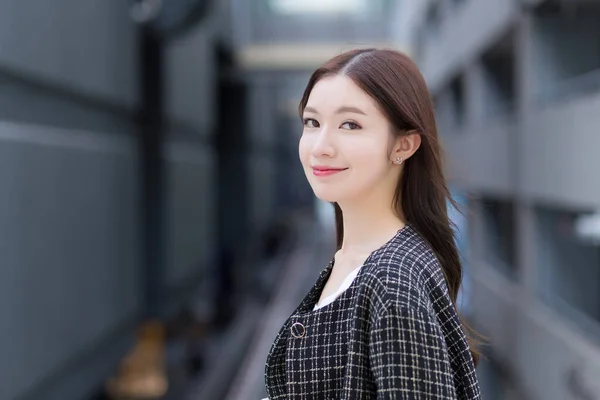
(398, 160)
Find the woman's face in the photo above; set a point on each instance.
(347, 149)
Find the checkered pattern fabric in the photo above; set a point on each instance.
(393, 334)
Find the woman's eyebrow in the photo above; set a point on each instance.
(341, 110)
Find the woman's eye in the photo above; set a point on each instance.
(350, 125)
(311, 123)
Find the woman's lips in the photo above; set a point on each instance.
(326, 171)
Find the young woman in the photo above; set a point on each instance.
(381, 320)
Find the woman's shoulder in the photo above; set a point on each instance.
(405, 273)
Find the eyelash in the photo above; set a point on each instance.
(305, 121)
(354, 125)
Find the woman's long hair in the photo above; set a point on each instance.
(393, 80)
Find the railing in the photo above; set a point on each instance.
(584, 323)
(576, 86)
(230, 352)
(301, 268)
(503, 109)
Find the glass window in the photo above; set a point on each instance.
(499, 77)
(567, 62)
(457, 90)
(568, 264)
(320, 6)
(433, 18)
(499, 235)
(461, 235)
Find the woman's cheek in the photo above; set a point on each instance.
(304, 150)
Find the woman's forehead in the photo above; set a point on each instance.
(338, 93)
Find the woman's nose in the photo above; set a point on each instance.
(323, 145)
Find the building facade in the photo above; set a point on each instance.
(516, 86)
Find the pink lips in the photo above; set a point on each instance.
(326, 171)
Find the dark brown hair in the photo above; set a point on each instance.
(393, 80)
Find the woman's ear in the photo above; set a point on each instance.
(406, 145)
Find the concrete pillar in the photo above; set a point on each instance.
(525, 100)
(475, 93)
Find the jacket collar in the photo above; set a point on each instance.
(309, 301)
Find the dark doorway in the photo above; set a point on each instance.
(232, 177)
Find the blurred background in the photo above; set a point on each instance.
(156, 228)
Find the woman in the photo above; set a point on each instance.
(381, 320)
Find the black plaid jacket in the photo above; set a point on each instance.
(393, 334)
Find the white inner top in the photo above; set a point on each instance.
(345, 285)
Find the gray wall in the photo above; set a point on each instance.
(479, 158)
(559, 149)
(277, 178)
(191, 169)
(441, 56)
(262, 117)
(69, 278)
(565, 47)
(523, 152)
(191, 78)
(68, 208)
(45, 41)
(538, 156)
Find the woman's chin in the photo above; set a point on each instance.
(325, 196)
(330, 196)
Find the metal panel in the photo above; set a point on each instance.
(558, 145)
(495, 305)
(482, 158)
(87, 46)
(455, 44)
(571, 364)
(191, 240)
(69, 277)
(190, 79)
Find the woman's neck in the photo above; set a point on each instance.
(368, 228)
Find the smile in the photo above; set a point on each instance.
(326, 171)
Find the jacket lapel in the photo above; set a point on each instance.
(275, 365)
(309, 301)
